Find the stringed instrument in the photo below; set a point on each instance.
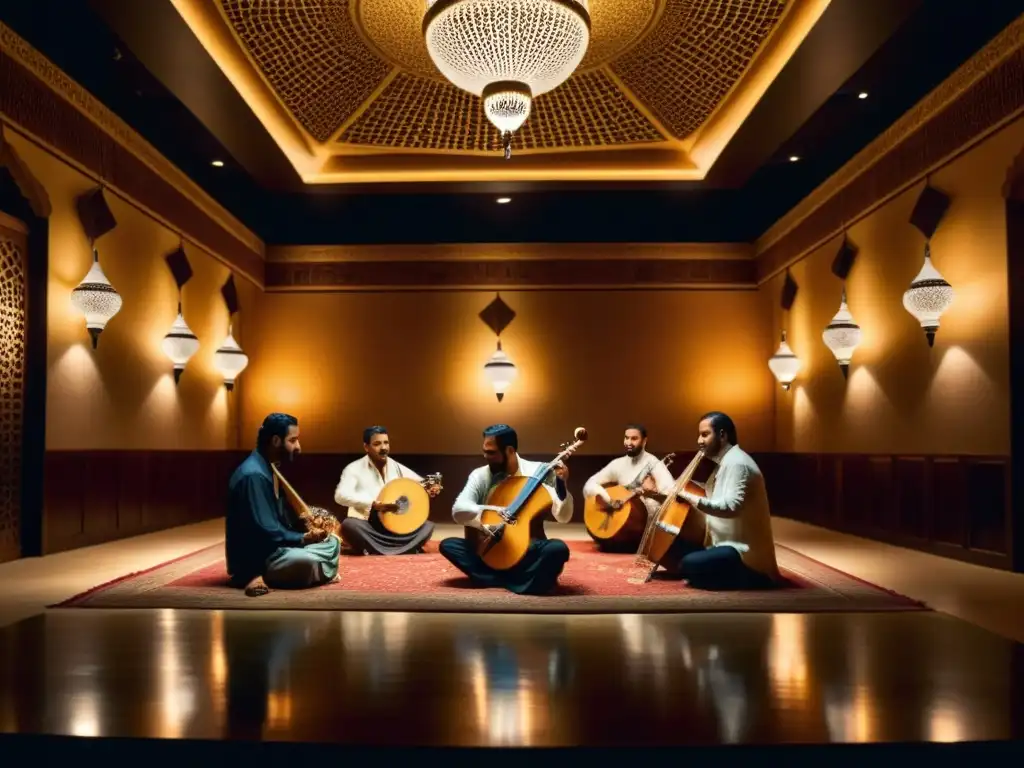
(413, 502)
(517, 507)
(623, 527)
(692, 524)
(308, 518)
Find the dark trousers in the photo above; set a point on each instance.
(536, 574)
(371, 537)
(715, 568)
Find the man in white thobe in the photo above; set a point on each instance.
(740, 548)
(360, 484)
(633, 467)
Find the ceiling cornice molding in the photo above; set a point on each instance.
(999, 65)
(43, 130)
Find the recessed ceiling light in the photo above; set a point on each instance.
(794, 158)
(862, 95)
(217, 163)
(503, 200)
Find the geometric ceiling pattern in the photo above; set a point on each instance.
(353, 79)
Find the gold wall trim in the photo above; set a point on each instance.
(70, 91)
(931, 107)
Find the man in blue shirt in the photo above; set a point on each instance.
(263, 550)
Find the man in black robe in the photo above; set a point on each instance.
(264, 551)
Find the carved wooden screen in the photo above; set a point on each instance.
(13, 340)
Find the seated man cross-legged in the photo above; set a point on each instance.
(539, 570)
(740, 551)
(263, 550)
(360, 483)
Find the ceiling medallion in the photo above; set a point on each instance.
(508, 52)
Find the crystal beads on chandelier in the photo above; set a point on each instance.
(508, 52)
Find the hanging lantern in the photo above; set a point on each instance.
(96, 299)
(842, 336)
(784, 364)
(180, 344)
(230, 360)
(928, 297)
(500, 371)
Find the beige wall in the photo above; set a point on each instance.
(122, 395)
(413, 361)
(903, 396)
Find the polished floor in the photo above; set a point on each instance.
(629, 680)
(951, 676)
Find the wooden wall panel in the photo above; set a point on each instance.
(953, 506)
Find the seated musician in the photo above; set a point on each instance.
(538, 572)
(629, 468)
(263, 550)
(739, 550)
(361, 482)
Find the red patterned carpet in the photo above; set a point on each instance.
(591, 583)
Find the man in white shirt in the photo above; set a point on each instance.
(360, 484)
(740, 548)
(538, 572)
(626, 470)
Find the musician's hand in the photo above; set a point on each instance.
(649, 486)
(617, 504)
(312, 537)
(562, 471)
(491, 530)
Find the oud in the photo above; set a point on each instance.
(412, 502)
(516, 508)
(691, 523)
(622, 527)
(309, 518)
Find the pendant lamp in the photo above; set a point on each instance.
(230, 360)
(842, 336)
(928, 296)
(180, 344)
(96, 299)
(500, 371)
(784, 364)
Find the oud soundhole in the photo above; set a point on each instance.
(403, 505)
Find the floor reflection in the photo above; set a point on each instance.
(504, 680)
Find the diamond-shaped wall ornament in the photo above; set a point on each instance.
(230, 294)
(497, 315)
(179, 266)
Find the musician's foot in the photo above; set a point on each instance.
(257, 587)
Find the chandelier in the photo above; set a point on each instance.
(508, 52)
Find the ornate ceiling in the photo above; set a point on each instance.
(349, 93)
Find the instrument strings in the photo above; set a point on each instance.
(652, 522)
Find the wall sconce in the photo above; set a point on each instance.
(229, 359)
(95, 297)
(785, 365)
(501, 372)
(929, 295)
(180, 344)
(843, 335)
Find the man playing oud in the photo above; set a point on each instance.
(739, 551)
(360, 484)
(635, 466)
